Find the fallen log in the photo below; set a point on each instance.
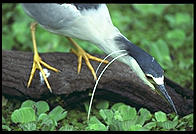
(118, 83)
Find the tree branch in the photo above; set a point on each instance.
(118, 83)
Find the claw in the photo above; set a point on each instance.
(37, 61)
(82, 54)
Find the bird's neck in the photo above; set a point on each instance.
(120, 42)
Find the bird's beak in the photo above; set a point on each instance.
(163, 91)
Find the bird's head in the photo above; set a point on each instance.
(145, 66)
(155, 75)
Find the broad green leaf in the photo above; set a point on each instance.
(116, 106)
(116, 125)
(42, 107)
(144, 116)
(117, 116)
(42, 116)
(48, 124)
(58, 113)
(102, 104)
(137, 127)
(95, 124)
(150, 125)
(160, 116)
(127, 112)
(30, 126)
(167, 124)
(107, 115)
(23, 115)
(176, 118)
(126, 125)
(28, 103)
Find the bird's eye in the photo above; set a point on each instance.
(149, 77)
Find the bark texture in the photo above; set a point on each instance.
(118, 83)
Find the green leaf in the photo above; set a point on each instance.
(150, 125)
(30, 126)
(67, 128)
(182, 18)
(107, 115)
(176, 38)
(42, 107)
(86, 105)
(28, 103)
(5, 127)
(160, 116)
(116, 106)
(189, 119)
(161, 53)
(23, 115)
(42, 116)
(144, 116)
(48, 124)
(137, 127)
(95, 124)
(102, 104)
(3, 120)
(127, 112)
(126, 125)
(58, 113)
(168, 124)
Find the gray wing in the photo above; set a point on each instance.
(52, 16)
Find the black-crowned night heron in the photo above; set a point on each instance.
(92, 22)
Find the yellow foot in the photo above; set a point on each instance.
(37, 65)
(82, 54)
(37, 61)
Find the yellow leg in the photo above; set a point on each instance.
(37, 61)
(82, 54)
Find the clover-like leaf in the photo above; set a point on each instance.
(160, 116)
(95, 124)
(144, 116)
(28, 103)
(58, 113)
(127, 112)
(42, 107)
(23, 115)
(107, 115)
(150, 125)
(168, 124)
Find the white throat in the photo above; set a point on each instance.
(158, 80)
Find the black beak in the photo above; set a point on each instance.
(163, 90)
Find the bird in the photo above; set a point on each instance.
(92, 22)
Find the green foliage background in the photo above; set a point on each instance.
(163, 30)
